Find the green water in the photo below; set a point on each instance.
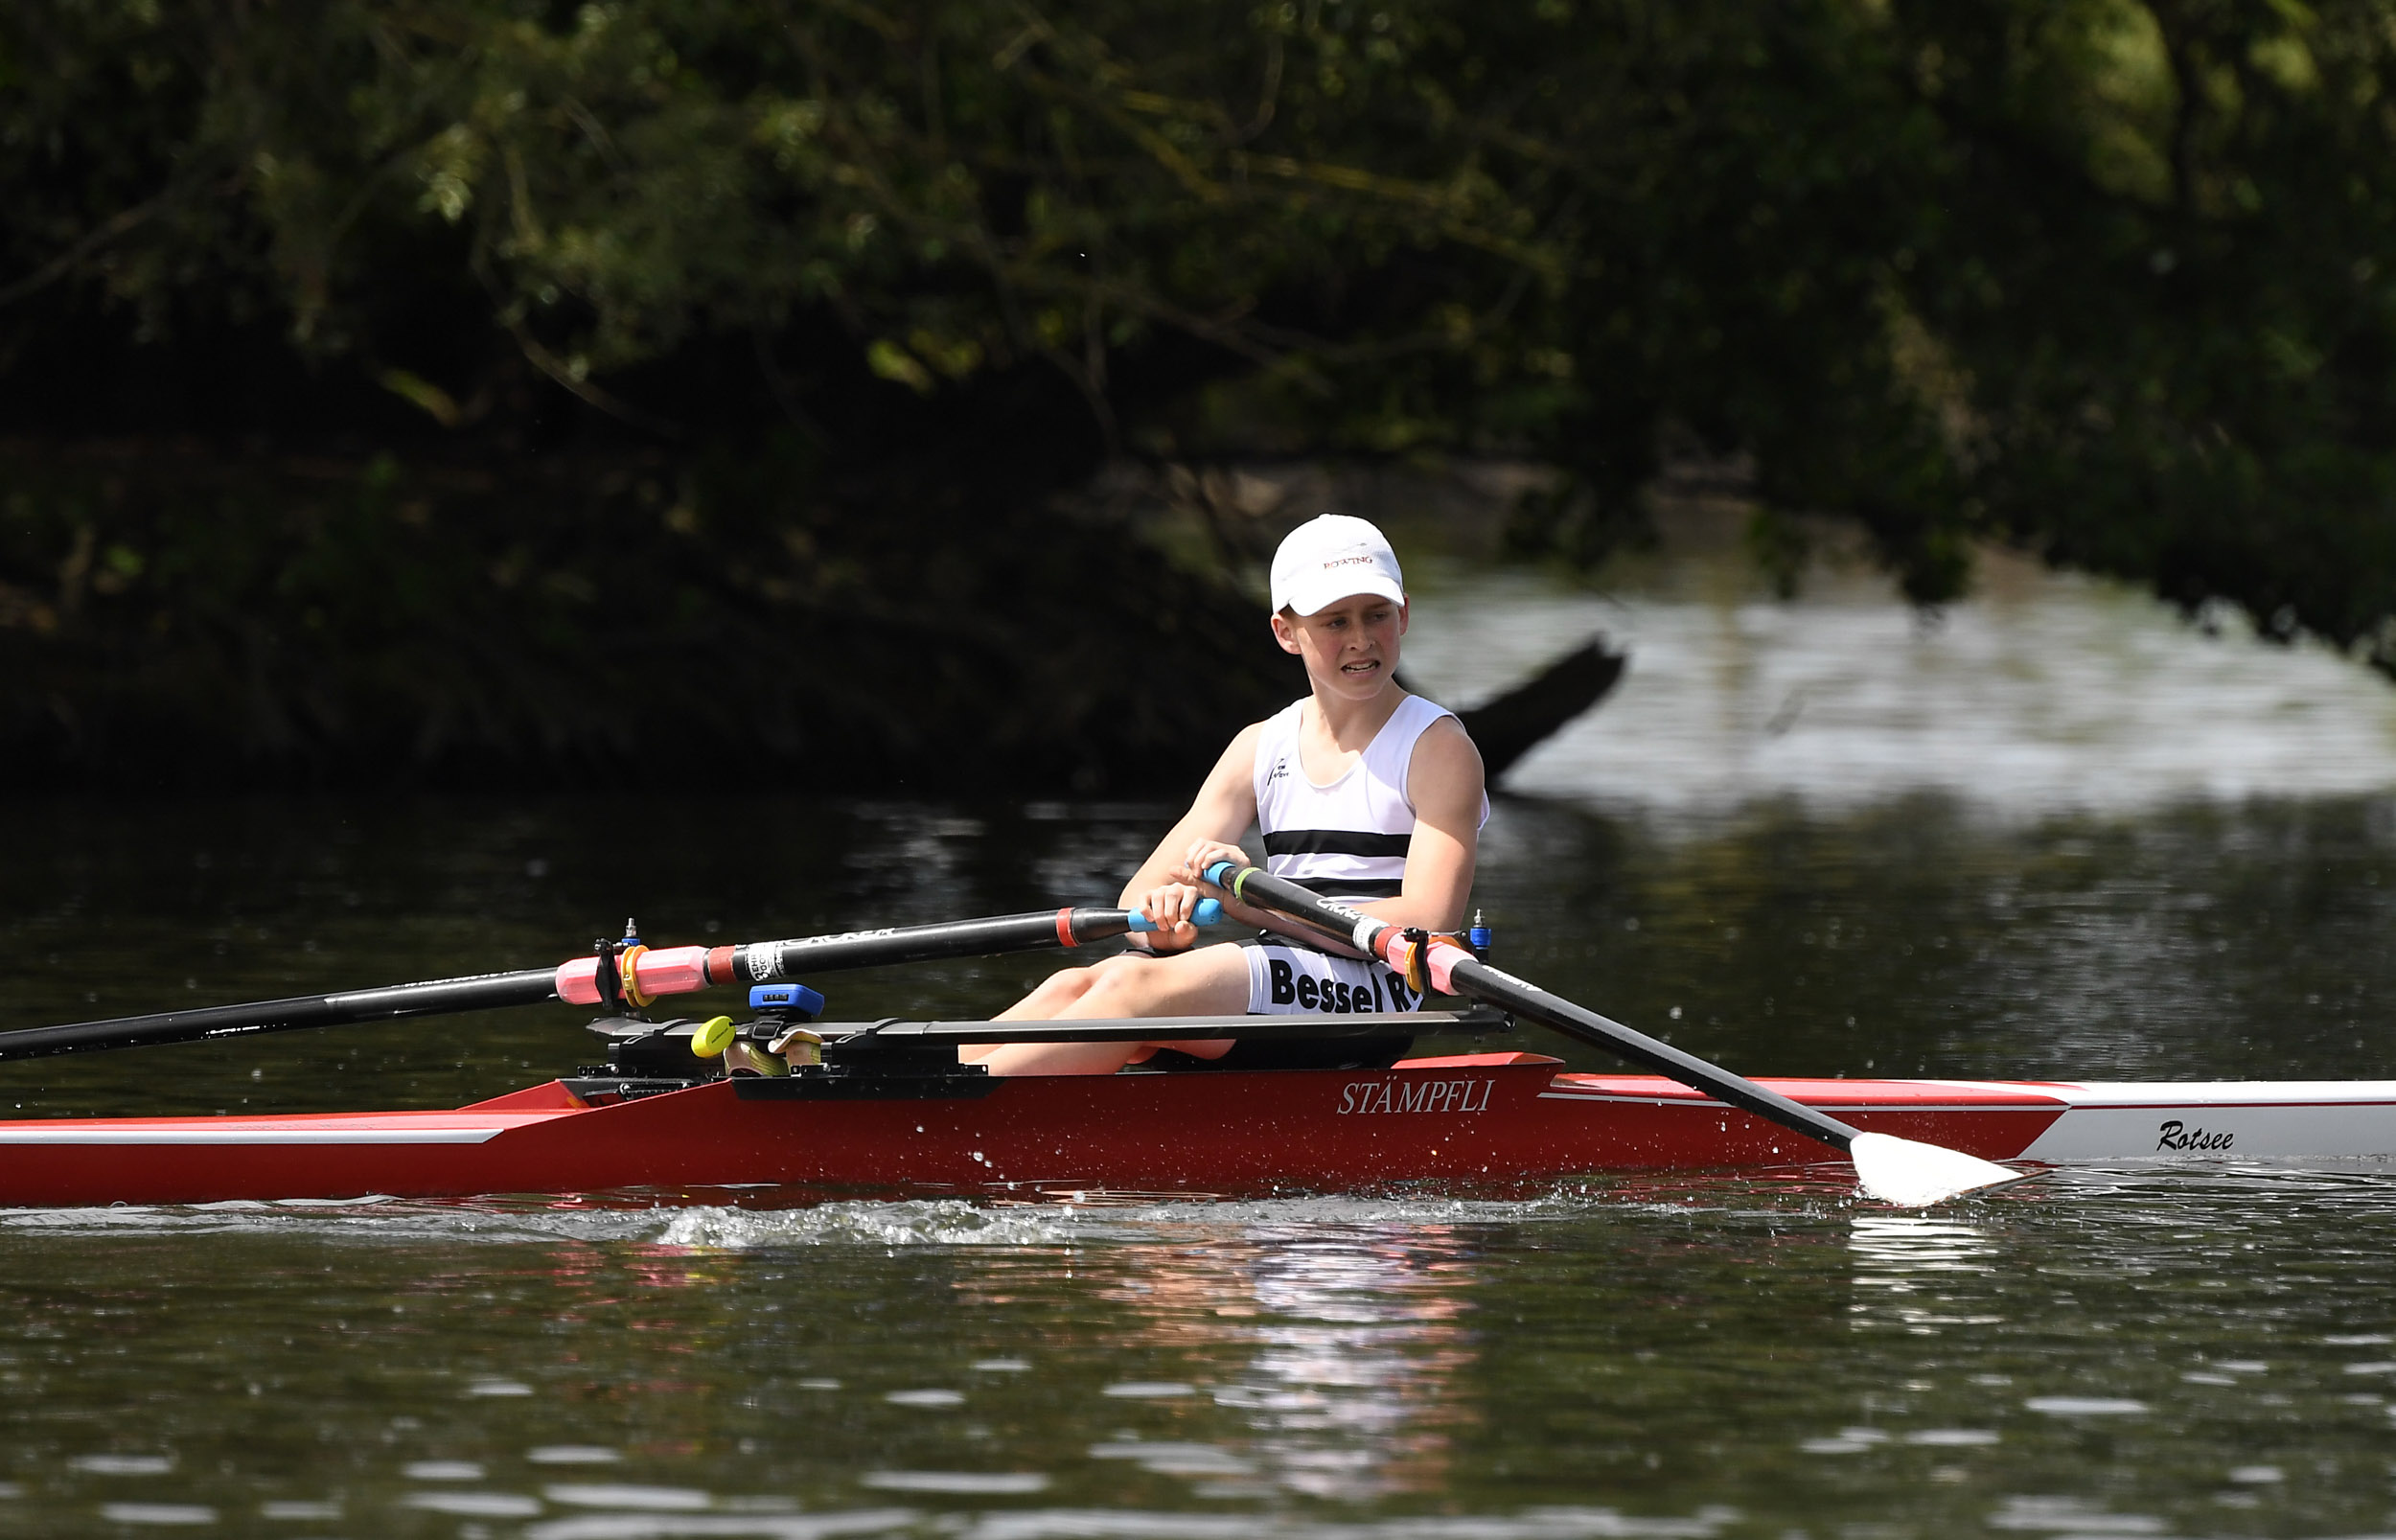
(2203, 1351)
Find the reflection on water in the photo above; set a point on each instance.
(2134, 1353)
(1907, 1269)
(1354, 1334)
(1352, 1391)
(2044, 693)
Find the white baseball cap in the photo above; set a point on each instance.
(1330, 557)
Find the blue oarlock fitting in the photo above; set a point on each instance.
(791, 1000)
(1477, 937)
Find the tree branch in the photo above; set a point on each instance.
(93, 240)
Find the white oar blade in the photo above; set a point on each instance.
(1915, 1175)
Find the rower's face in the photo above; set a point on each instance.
(1350, 646)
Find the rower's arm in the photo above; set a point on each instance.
(1224, 809)
(1444, 781)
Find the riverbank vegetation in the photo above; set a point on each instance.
(473, 389)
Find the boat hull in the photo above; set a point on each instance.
(1471, 1120)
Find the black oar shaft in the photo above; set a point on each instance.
(766, 962)
(435, 997)
(1338, 922)
(1508, 993)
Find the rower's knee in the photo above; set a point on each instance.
(1126, 991)
(1070, 986)
(1052, 993)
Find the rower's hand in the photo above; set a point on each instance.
(1205, 853)
(1171, 907)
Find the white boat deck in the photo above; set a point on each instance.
(2226, 1119)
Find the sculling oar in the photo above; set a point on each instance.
(1898, 1170)
(638, 974)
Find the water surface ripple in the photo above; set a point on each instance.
(2134, 1351)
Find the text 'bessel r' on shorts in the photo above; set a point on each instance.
(1284, 979)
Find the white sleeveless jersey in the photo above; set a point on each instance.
(1347, 840)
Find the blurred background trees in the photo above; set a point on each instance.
(480, 388)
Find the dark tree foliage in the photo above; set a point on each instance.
(628, 340)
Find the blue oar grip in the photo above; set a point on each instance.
(1221, 869)
(1207, 912)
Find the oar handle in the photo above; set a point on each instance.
(1251, 885)
(1205, 911)
(1451, 968)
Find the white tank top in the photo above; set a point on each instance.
(1347, 840)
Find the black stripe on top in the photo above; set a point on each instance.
(1352, 886)
(1334, 842)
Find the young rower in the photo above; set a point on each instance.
(1362, 791)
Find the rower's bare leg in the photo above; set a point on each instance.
(1208, 981)
(1053, 996)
